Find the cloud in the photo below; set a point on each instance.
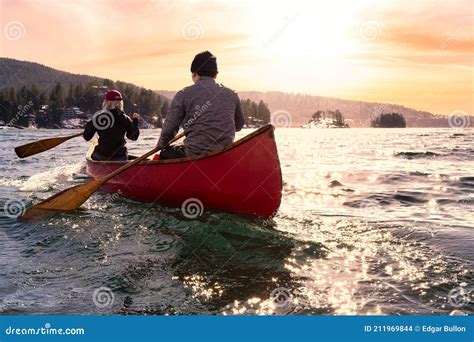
(116, 52)
(424, 33)
(427, 25)
(429, 42)
(142, 41)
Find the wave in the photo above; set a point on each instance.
(397, 177)
(467, 182)
(44, 181)
(416, 155)
(11, 182)
(380, 200)
(418, 173)
(405, 197)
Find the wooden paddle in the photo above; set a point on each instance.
(72, 198)
(39, 146)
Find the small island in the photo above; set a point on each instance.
(389, 120)
(327, 119)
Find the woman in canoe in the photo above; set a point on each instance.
(112, 124)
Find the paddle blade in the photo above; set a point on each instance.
(66, 200)
(36, 147)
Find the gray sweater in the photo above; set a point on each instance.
(209, 113)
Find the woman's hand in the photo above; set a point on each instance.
(136, 116)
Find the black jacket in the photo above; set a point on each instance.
(111, 133)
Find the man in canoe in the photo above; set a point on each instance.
(112, 124)
(209, 113)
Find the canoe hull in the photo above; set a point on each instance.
(244, 178)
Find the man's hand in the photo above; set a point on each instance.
(136, 116)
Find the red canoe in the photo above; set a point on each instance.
(243, 178)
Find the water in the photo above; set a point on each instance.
(373, 221)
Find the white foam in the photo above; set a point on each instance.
(10, 182)
(43, 181)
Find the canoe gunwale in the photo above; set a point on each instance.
(252, 135)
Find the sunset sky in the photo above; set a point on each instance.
(418, 53)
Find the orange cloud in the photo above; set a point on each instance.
(423, 41)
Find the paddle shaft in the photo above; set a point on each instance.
(72, 136)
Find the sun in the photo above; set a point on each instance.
(315, 38)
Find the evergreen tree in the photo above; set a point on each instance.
(56, 98)
(35, 96)
(43, 99)
(56, 103)
(263, 112)
(338, 118)
(23, 95)
(12, 102)
(255, 110)
(164, 109)
(3, 106)
(389, 120)
(317, 116)
(255, 113)
(70, 96)
(108, 83)
(78, 92)
(23, 107)
(92, 98)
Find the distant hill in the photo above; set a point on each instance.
(63, 99)
(356, 113)
(16, 74)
